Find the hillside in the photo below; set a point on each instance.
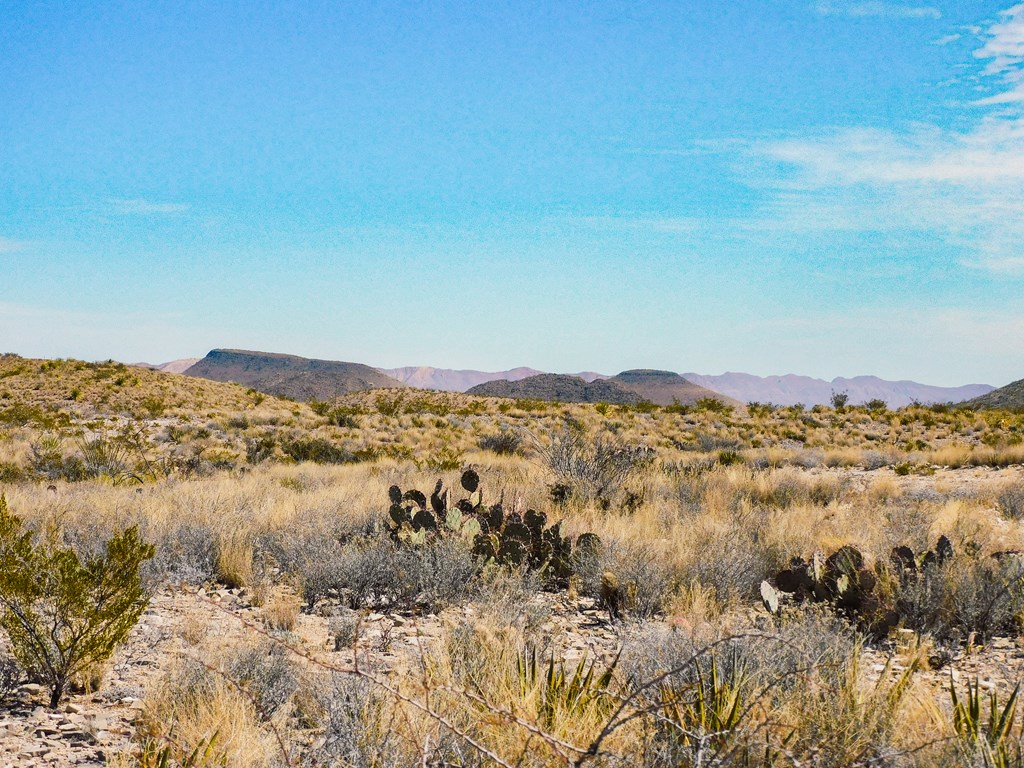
(558, 387)
(792, 389)
(28, 386)
(1010, 397)
(299, 378)
(663, 387)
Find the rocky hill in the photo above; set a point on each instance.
(29, 387)
(1010, 397)
(559, 387)
(628, 387)
(664, 387)
(299, 378)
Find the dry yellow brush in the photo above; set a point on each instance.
(286, 505)
(797, 695)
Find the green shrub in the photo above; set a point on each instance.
(316, 449)
(712, 405)
(63, 615)
(11, 472)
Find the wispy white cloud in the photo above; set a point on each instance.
(878, 9)
(964, 187)
(1004, 51)
(947, 39)
(11, 246)
(1005, 42)
(145, 207)
(666, 224)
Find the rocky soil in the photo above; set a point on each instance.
(91, 729)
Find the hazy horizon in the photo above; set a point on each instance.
(820, 188)
(727, 372)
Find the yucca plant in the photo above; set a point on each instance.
(168, 756)
(990, 739)
(562, 693)
(708, 710)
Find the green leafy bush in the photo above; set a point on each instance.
(64, 615)
(318, 450)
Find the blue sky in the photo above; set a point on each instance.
(827, 188)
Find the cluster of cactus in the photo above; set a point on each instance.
(507, 538)
(412, 521)
(843, 581)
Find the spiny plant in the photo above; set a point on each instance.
(991, 739)
(63, 615)
(563, 693)
(849, 586)
(507, 538)
(203, 756)
(706, 712)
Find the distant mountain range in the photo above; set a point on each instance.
(792, 389)
(303, 378)
(175, 366)
(299, 378)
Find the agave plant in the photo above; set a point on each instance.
(990, 739)
(565, 694)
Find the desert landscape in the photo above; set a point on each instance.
(615, 384)
(401, 576)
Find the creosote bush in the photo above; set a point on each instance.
(63, 615)
(594, 466)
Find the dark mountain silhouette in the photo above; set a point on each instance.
(559, 387)
(299, 378)
(629, 387)
(665, 387)
(1010, 397)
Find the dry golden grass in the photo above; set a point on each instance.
(77, 387)
(282, 611)
(186, 717)
(726, 501)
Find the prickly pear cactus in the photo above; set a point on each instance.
(493, 535)
(849, 586)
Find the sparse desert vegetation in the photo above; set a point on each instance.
(401, 577)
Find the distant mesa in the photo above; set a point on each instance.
(559, 387)
(627, 388)
(665, 387)
(299, 378)
(1010, 397)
